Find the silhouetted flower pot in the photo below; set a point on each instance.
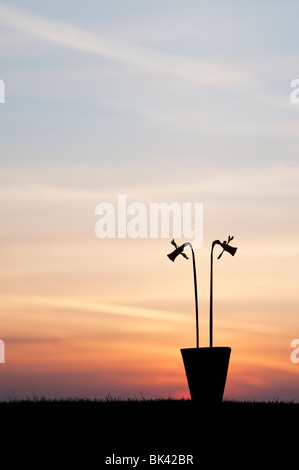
(206, 368)
(206, 371)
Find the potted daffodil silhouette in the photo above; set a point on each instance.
(206, 367)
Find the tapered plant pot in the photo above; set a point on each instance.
(206, 371)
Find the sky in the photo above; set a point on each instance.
(161, 101)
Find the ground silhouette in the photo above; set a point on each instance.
(65, 432)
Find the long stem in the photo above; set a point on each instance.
(211, 300)
(216, 242)
(195, 293)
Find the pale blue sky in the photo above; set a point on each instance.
(129, 80)
(155, 95)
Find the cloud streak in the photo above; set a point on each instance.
(271, 181)
(99, 308)
(192, 71)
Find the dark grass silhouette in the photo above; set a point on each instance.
(64, 432)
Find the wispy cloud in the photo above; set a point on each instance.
(276, 180)
(95, 308)
(84, 312)
(188, 69)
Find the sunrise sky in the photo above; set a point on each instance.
(162, 101)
